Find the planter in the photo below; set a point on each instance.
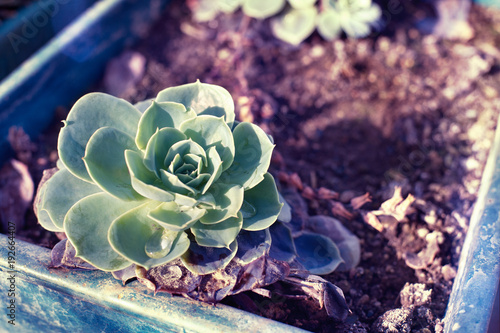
(64, 300)
(71, 300)
(66, 67)
(33, 27)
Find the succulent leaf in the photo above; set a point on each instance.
(160, 115)
(174, 217)
(295, 25)
(202, 98)
(262, 9)
(87, 223)
(228, 200)
(61, 192)
(143, 180)
(105, 162)
(221, 234)
(209, 131)
(91, 112)
(252, 158)
(282, 246)
(317, 253)
(135, 236)
(264, 198)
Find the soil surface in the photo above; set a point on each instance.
(353, 116)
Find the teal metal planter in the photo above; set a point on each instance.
(471, 302)
(62, 300)
(33, 27)
(59, 300)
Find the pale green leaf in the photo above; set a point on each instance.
(218, 235)
(134, 235)
(158, 147)
(210, 131)
(61, 192)
(301, 4)
(158, 116)
(105, 162)
(261, 9)
(295, 25)
(228, 199)
(145, 181)
(174, 217)
(264, 198)
(90, 113)
(252, 157)
(87, 224)
(203, 98)
(329, 24)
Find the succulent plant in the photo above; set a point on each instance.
(177, 193)
(295, 20)
(148, 188)
(354, 17)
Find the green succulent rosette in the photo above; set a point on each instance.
(167, 178)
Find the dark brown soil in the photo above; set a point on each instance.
(353, 116)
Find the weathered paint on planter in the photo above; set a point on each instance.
(33, 27)
(474, 288)
(62, 300)
(63, 70)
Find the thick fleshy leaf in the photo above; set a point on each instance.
(178, 150)
(174, 184)
(354, 28)
(264, 198)
(105, 162)
(205, 260)
(218, 235)
(252, 157)
(131, 234)
(317, 253)
(143, 105)
(261, 9)
(329, 24)
(92, 217)
(228, 199)
(214, 168)
(203, 98)
(286, 210)
(158, 147)
(174, 217)
(301, 4)
(282, 246)
(91, 112)
(145, 181)
(295, 25)
(210, 131)
(61, 192)
(159, 116)
(252, 245)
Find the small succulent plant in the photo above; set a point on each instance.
(155, 186)
(294, 20)
(175, 184)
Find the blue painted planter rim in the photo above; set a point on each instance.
(474, 288)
